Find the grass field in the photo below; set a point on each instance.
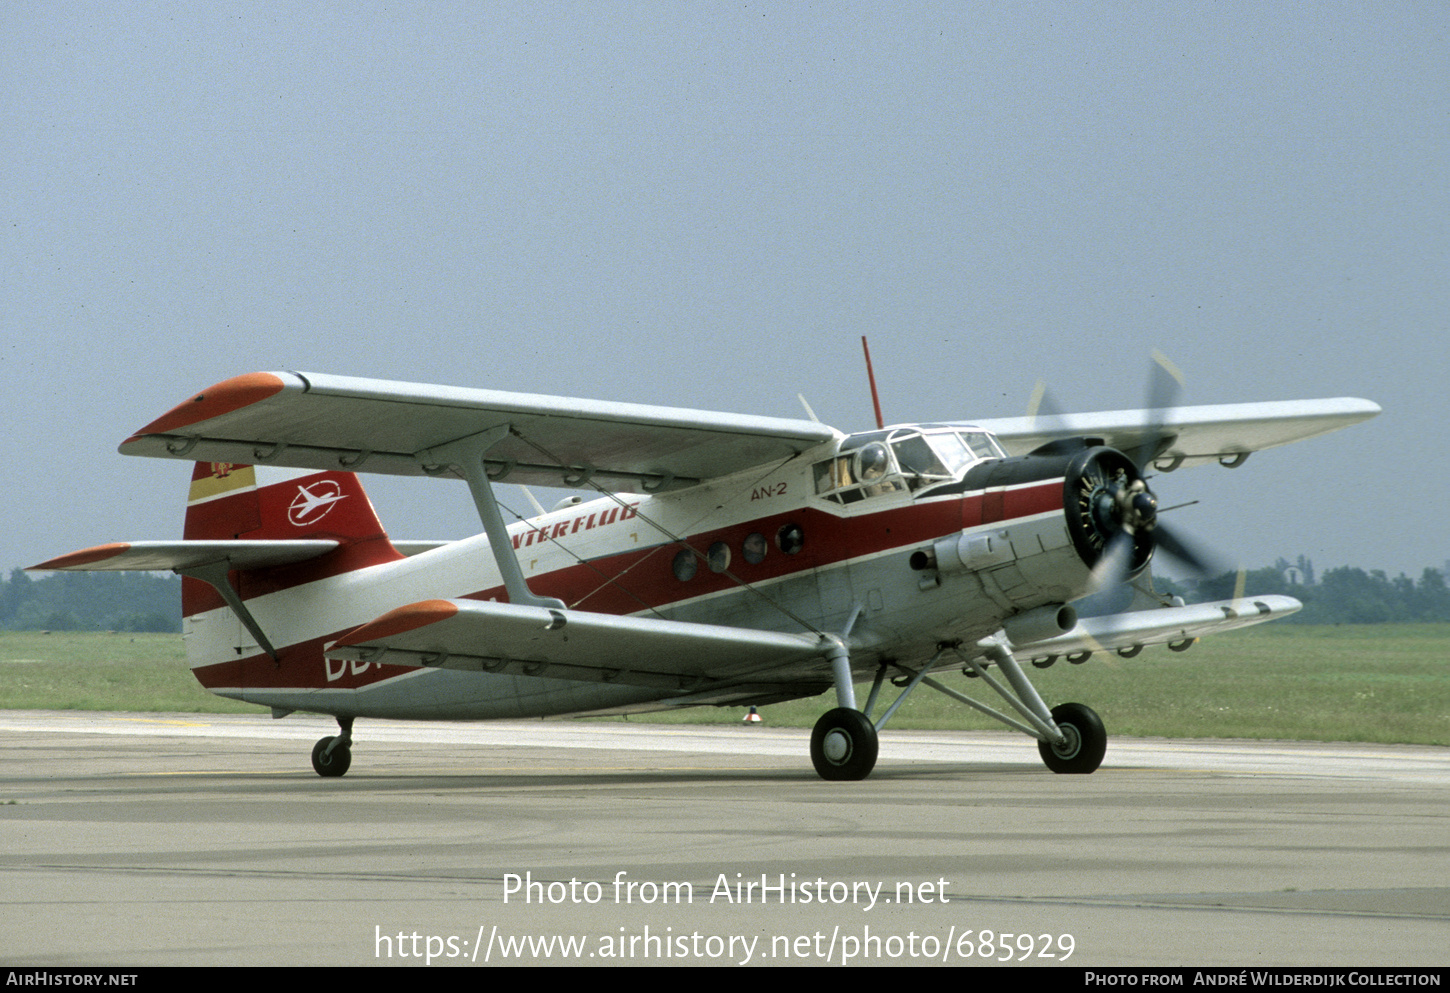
(1380, 683)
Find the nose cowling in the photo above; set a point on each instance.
(1110, 511)
(1105, 534)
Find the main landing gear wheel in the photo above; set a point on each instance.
(844, 745)
(334, 764)
(1086, 741)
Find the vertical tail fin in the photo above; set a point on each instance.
(260, 503)
(230, 501)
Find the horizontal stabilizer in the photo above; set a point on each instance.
(154, 556)
(1159, 626)
(487, 636)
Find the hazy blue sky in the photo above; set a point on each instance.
(706, 205)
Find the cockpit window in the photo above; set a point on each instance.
(853, 475)
(916, 457)
(900, 460)
(983, 445)
(952, 451)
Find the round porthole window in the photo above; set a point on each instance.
(755, 548)
(719, 557)
(685, 565)
(790, 538)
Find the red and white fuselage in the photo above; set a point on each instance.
(764, 551)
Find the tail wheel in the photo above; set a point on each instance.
(844, 745)
(1085, 742)
(331, 764)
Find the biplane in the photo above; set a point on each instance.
(722, 559)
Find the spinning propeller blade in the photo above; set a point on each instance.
(1128, 504)
(1165, 384)
(1185, 553)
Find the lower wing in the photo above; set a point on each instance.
(487, 636)
(1136, 629)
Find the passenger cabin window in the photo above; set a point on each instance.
(900, 460)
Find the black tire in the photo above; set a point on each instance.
(332, 765)
(844, 745)
(1086, 743)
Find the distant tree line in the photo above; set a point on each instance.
(130, 601)
(1344, 595)
(90, 601)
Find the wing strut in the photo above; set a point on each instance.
(466, 457)
(214, 574)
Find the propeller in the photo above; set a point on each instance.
(1113, 495)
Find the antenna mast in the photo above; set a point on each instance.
(870, 375)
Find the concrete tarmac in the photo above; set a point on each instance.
(131, 839)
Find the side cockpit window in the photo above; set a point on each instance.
(900, 460)
(858, 472)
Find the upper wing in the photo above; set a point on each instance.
(1193, 434)
(489, 636)
(1159, 626)
(330, 422)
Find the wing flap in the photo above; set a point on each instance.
(1159, 626)
(155, 556)
(319, 422)
(487, 636)
(1196, 435)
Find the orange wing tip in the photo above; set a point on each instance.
(223, 398)
(84, 557)
(399, 621)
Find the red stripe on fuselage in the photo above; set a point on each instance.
(198, 596)
(1012, 502)
(633, 581)
(828, 541)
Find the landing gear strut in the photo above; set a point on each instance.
(332, 756)
(844, 742)
(1070, 737)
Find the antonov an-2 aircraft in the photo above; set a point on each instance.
(729, 560)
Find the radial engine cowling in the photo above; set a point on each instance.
(1106, 523)
(1110, 511)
